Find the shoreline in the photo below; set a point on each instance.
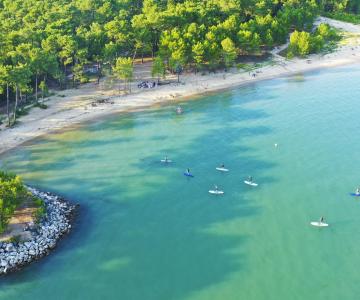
(90, 102)
(55, 225)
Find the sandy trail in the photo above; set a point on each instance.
(72, 107)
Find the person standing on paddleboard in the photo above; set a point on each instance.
(321, 220)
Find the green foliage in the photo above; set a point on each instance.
(23, 111)
(79, 74)
(12, 194)
(346, 17)
(341, 6)
(124, 70)
(40, 209)
(41, 105)
(303, 43)
(229, 52)
(48, 38)
(158, 68)
(299, 44)
(15, 239)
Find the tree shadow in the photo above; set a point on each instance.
(145, 231)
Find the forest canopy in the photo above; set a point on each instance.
(45, 40)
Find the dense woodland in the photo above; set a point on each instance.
(44, 41)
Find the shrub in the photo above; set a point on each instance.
(40, 211)
(12, 194)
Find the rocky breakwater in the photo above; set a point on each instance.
(44, 236)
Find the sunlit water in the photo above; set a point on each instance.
(146, 232)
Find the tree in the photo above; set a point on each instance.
(198, 52)
(123, 70)
(5, 85)
(43, 88)
(299, 43)
(158, 68)
(12, 194)
(19, 77)
(229, 52)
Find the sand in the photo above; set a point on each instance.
(90, 101)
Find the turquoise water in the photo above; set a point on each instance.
(147, 232)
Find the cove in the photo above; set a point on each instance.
(147, 232)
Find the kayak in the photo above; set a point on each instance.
(354, 194)
(188, 175)
(166, 161)
(222, 169)
(250, 183)
(216, 192)
(319, 224)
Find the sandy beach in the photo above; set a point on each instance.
(72, 107)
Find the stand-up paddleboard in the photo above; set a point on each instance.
(319, 224)
(222, 169)
(188, 174)
(250, 183)
(166, 161)
(354, 195)
(216, 192)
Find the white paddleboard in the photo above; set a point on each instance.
(166, 161)
(250, 183)
(222, 169)
(216, 192)
(319, 224)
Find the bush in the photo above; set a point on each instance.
(12, 194)
(41, 105)
(40, 211)
(303, 43)
(16, 239)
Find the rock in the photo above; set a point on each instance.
(44, 236)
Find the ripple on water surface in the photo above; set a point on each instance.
(147, 232)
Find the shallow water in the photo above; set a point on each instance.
(145, 231)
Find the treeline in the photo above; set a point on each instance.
(12, 194)
(341, 6)
(45, 40)
(345, 10)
